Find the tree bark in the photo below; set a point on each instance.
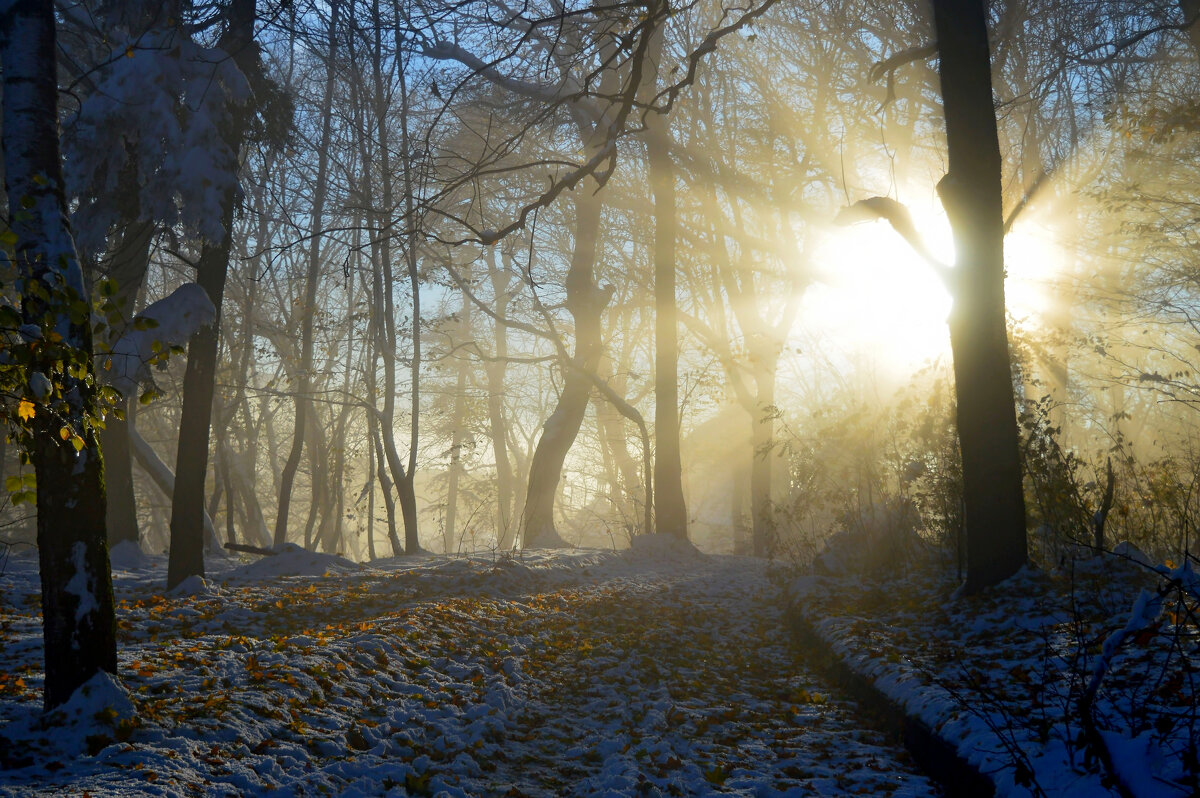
(78, 620)
(987, 428)
(199, 382)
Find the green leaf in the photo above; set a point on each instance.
(12, 484)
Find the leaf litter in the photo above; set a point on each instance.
(656, 671)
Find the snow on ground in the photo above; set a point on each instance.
(1000, 674)
(653, 671)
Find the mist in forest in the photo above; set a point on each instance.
(492, 276)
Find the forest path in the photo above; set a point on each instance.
(683, 681)
(648, 672)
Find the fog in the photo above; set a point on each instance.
(449, 234)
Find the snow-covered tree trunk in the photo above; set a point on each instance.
(77, 603)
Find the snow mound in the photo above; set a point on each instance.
(102, 695)
(83, 725)
(128, 556)
(660, 546)
(292, 560)
(194, 586)
(1133, 554)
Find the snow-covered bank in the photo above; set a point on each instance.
(999, 676)
(656, 671)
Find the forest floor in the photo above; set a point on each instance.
(645, 672)
(999, 676)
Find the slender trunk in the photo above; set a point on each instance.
(241, 483)
(743, 536)
(312, 277)
(319, 496)
(586, 303)
(371, 495)
(407, 485)
(761, 466)
(385, 287)
(497, 423)
(214, 500)
(78, 619)
(191, 464)
(987, 428)
(628, 485)
(332, 532)
(670, 510)
(121, 510)
(385, 484)
(128, 268)
(456, 423)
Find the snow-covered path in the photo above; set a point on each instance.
(563, 674)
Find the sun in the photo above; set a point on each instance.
(877, 301)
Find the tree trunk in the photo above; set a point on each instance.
(407, 483)
(199, 382)
(371, 495)
(78, 620)
(456, 423)
(381, 247)
(121, 509)
(128, 268)
(971, 192)
(627, 484)
(761, 465)
(670, 512)
(586, 304)
(311, 277)
(497, 423)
